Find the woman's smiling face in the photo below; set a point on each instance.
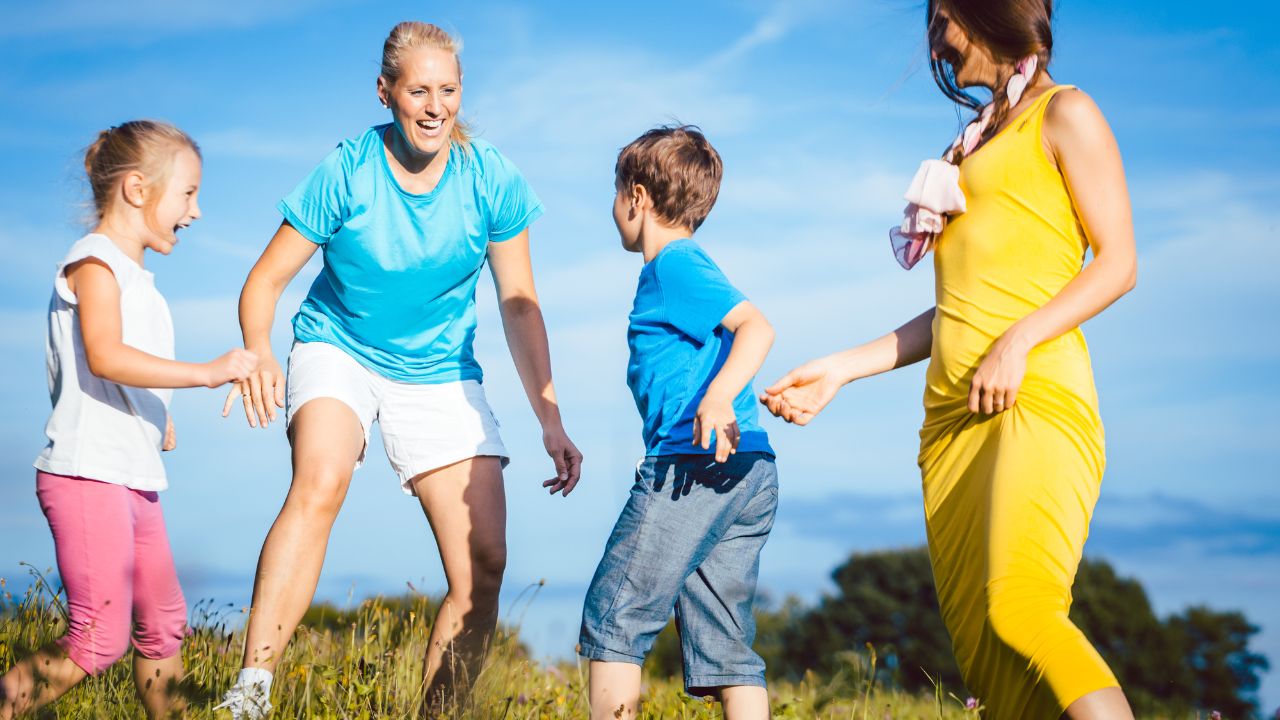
(425, 99)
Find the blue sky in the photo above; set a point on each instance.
(821, 111)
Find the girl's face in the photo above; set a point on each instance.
(425, 99)
(177, 205)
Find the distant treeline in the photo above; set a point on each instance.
(1198, 659)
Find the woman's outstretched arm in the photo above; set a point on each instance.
(263, 391)
(802, 393)
(527, 339)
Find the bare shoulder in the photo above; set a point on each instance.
(1073, 110)
(87, 270)
(1074, 121)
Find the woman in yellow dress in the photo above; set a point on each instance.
(1011, 449)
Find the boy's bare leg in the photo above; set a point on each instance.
(615, 690)
(745, 702)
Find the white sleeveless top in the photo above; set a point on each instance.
(99, 429)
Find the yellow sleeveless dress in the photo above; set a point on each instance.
(1008, 497)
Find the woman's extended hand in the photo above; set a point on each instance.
(567, 459)
(262, 392)
(995, 385)
(802, 393)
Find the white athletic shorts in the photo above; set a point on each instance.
(424, 426)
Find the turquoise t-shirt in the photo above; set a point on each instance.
(397, 290)
(678, 345)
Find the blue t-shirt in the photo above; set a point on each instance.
(397, 290)
(678, 345)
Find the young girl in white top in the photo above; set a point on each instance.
(111, 374)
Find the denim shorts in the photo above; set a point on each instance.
(689, 539)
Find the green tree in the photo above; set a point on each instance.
(886, 599)
(1215, 648)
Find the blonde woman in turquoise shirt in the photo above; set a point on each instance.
(405, 215)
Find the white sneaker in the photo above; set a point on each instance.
(246, 701)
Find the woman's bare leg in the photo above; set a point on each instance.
(1105, 704)
(467, 507)
(327, 440)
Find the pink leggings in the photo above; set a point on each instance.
(114, 560)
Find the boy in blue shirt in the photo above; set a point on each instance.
(704, 496)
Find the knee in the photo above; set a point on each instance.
(97, 630)
(488, 563)
(97, 649)
(162, 637)
(1023, 619)
(319, 492)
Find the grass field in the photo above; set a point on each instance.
(367, 663)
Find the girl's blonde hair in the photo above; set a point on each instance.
(143, 146)
(410, 35)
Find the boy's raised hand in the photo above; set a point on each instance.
(716, 414)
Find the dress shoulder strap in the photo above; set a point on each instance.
(1034, 120)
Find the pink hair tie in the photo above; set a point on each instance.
(935, 190)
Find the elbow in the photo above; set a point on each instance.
(1130, 278)
(762, 329)
(260, 284)
(519, 307)
(98, 362)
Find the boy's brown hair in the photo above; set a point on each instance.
(680, 170)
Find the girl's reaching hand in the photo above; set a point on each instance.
(261, 392)
(234, 366)
(802, 393)
(170, 439)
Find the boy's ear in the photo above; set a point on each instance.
(640, 196)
